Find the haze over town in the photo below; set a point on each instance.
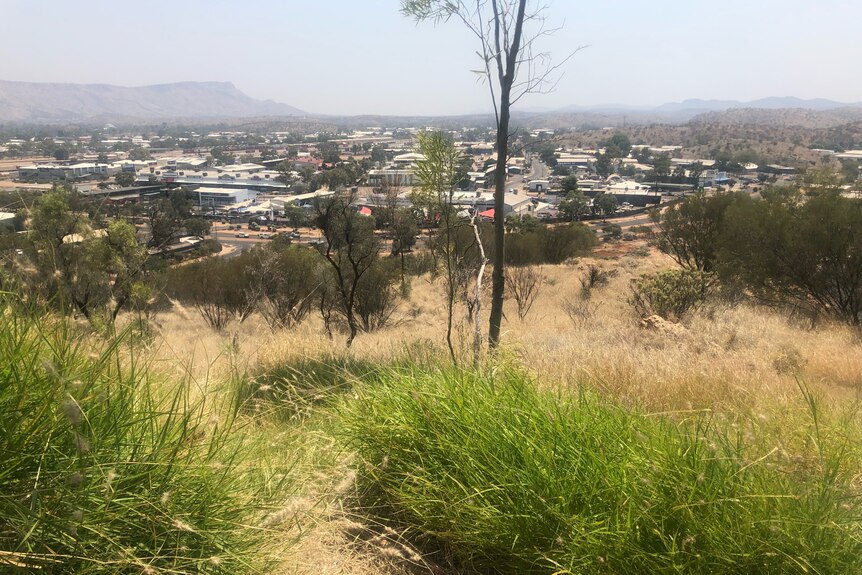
(345, 57)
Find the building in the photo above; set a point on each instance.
(403, 160)
(222, 197)
(711, 178)
(575, 161)
(392, 177)
(55, 172)
(519, 204)
(539, 186)
(7, 221)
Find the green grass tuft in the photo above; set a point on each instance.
(104, 471)
(512, 480)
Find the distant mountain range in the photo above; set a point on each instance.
(27, 102)
(686, 110)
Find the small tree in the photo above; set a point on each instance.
(505, 50)
(605, 204)
(124, 179)
(197, 227)
(574, 206)
(690, 232)
(523, 284)
(288, 282)
(350, 247)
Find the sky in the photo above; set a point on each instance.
(350, 57)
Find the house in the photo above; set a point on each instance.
(7, 220)
(402, 161)
(711, 178)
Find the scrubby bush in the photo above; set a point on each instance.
(507, 479)
(671, 294)
(377, 295)
(612, 232)
(547, 244)
(522, 285)
(220, 289)
(287, 282)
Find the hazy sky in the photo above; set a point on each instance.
(362, 56)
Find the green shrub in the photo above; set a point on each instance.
(100, 473)
(671, 294)
(612, 232)
(507, 479)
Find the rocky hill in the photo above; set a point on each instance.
(44, 103)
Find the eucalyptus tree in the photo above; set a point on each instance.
(508, 33)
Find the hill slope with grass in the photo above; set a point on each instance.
(589, 444)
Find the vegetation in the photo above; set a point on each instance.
(509, 479)
(785, 249)
(504, 47)
(104, 470)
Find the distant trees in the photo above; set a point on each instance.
(139, 153)
(661, 165)
(605, 204)
(618, 145)
(575, 205)
(784, 249)
(167, 216)
(604, 165)
(124, 179)
(569, 184)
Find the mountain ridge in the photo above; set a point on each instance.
(32, 102)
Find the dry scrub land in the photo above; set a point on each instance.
(741, 366)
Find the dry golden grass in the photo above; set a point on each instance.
(735, 360)
(733, 356)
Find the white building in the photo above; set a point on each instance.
(539, 186)
(222, 197)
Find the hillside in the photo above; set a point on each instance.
(783, 117)
(43, 103)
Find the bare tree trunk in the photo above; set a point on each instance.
(507, 65)
(483, 261)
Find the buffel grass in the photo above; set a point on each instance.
(506, 478)
(588, 445)
(107, 469)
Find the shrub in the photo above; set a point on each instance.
(511, 480)
(562, 242)
(220, 289)
(612, 232)
(102, 474)
(671, 294)
(286, 282)
(522, 285)
(594, 277)
(377, 295)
